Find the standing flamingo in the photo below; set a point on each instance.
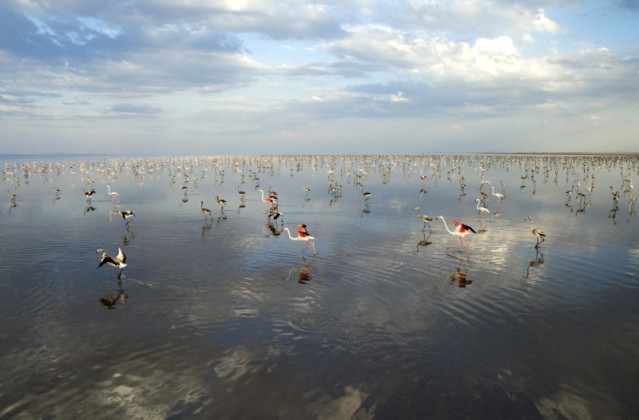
(460, 231)
(221, 202)
(498, 196)
(424, 218)
(302, 235)
(539, 234)
(206, 212)
(482, 210)
(270, 200)
(114, 195)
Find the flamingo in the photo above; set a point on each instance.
(498, 196)
(206, 212)
(270, 200)
(119, 261)
(460, 231)
(424, 218)
(302, 235)
(114, 195)
(482, 210)
(221, 202)
(89, 194)
(127, 215)
(539, 234)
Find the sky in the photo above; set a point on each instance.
(218, 77)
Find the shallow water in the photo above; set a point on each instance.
(228, 318)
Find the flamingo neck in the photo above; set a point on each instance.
(446, 225)
(289, 233)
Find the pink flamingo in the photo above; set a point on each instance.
(302, 235)
(461, 230)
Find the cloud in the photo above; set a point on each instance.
(255, 69)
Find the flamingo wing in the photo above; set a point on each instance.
(462, 227)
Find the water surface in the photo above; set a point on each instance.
(225, 317)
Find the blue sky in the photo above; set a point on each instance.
(182, 77)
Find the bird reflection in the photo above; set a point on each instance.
(459, 275)
(271, 228)
(424, 242)
(303, 273)
(113, 298)
(89, 208)
(128, 237)
(206, 227)
(535, 262)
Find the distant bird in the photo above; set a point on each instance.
(221, 202)
(119, 261)
(242, 193)
(482, 210)
(127, 215)
(539, 234)
(302, 235)
(114, 195)
(367, 195)
(206, 212)
(89, 194)
(270, 200)
(461, 230)
(56, 191)
(424, 218)
(498, 196)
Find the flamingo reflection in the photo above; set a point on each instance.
(535, 262)
(303, 273)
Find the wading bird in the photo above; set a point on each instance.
(424, 218)
(206, 212)
(114, 195)
(302, 235)
(221, 202)
(461, 230)
(482, 210)
(89, 194)
(270, 200)
(119, 261)
(498, 196)
(127, 215)
(539, 234)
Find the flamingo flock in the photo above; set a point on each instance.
(190, 175)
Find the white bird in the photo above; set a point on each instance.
(114, 195)
(482, 209)
(499, 196)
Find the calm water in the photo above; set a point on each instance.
(228, 318)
